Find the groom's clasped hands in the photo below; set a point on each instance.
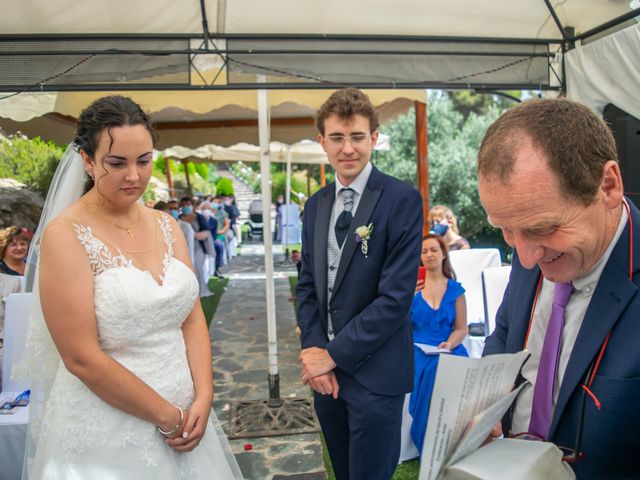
(317, 371)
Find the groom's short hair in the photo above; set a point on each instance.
(345, 103)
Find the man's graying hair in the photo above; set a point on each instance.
(576, 142)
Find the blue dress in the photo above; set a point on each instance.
(431, 327)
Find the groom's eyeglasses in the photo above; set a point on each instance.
(338, 140)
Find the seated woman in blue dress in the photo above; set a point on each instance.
(439, 318)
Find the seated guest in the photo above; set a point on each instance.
(14, 246)
(439, 319)
(444, 223)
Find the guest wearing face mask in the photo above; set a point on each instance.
(205, 228)
(230, 206)
(204, 244)
(187, 230)
(444, 223)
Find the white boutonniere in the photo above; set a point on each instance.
(363, 234)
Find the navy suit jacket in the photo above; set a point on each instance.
(371, 299)
(611, 435)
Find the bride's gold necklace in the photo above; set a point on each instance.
(128, 229)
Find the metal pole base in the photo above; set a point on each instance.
(257, 419)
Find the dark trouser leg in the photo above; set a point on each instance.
(219, 253)
(335, 428)
(374, 431)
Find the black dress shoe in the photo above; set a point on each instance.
(218, 274)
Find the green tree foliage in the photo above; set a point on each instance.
(202, 169)
(30, 161)
(224, 186)
(298, 186)
(453, 146)
(467, 101)
(400, 160)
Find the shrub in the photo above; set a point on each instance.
(30, 161)
(224, 186)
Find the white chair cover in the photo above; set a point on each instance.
(290, 224)
(13, 428)
(408, 449)
(468, 266)
(17, 311)
(8, 284)
(494, 283)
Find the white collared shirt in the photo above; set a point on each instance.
(574, 315)
(358, 186)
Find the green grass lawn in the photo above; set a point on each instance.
(405, 471)
(293, 281)
(210, 303)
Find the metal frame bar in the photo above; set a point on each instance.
(276, 37)
(49, 87)
(160, 53)
(607, 25)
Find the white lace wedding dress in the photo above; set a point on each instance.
(139, 320)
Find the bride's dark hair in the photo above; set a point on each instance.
(106, 113)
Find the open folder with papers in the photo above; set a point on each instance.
(470, 396)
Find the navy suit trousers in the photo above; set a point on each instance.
(362, 430)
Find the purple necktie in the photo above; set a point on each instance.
(543, 389)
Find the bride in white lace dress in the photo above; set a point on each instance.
(132, 395)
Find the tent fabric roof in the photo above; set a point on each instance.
(303, 152)
(607, 71)
(489, 44)
(162, 45)
(488, 18)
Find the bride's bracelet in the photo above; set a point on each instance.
(177, 427)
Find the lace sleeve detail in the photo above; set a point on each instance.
(165, 227)
(167, 233)
(100, 258)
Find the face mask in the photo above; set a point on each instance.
(187, 210)
(227, 202)
(440, 229)
(215, 206)
(174, 213)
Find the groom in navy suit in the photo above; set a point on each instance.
(360, 253)
(550, 180)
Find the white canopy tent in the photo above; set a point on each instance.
(211, 47)
(303, 152)
(607, 71)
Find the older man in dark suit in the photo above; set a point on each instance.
(360, 253)
(549, 179)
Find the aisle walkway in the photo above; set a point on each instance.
(239, 339)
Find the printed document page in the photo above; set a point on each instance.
(464, 388)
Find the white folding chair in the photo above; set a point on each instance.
(13, 428)
(468, 266)
(16, 318)
(494, 283)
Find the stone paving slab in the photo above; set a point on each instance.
(240, 362)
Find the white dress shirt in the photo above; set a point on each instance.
(574, 315)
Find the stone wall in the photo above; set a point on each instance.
(18, 205)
